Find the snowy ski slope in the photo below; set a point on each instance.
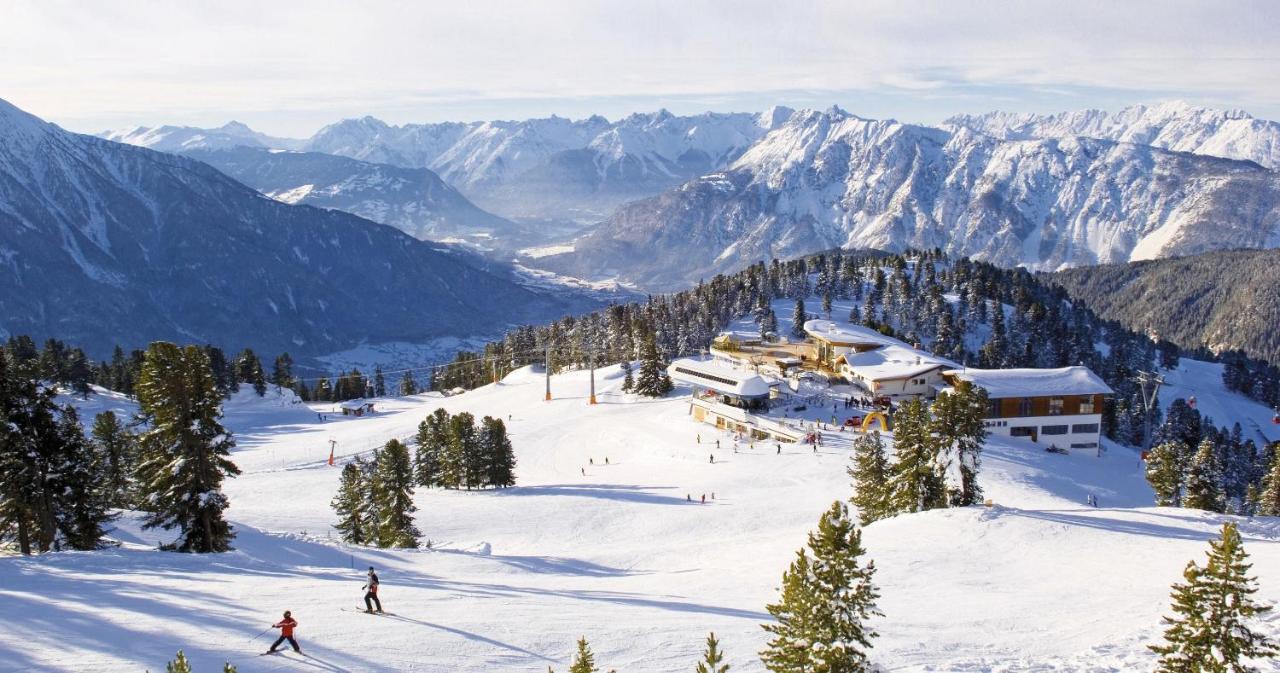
(1039, 582)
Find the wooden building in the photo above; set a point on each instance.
(1059, 408)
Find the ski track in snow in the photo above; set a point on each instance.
(1037, 582)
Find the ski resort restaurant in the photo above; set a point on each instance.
(725, 397)
(1053, 408)
(880, 365)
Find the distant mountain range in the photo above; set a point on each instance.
(1222, 300)
(104, 243)
(671, 199)
(828, 179)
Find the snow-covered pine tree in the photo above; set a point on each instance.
(393, 497)
(652, 380)
(712, 657)
(1204, 479)
(433, 442)
(1269, 496)
(350, 503)
(870, 473)
(185, 453)
(1166, 472)
(282, 372)
(917, 480)
(798, 318)
(462, 444)
(1209, 631)
(178, 665)
(116, 447)
(408, 386)
(249, 370)
(82, 497)
(826, 601)
(499, 456)
(957, 426)
(628, 381)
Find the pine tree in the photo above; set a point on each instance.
(958, 428)
(117, 448)
(1204, 479)
(798, 318)
(584, 661)
(1166, 472)
(185, 453)
(393, 497)
(249, 370)
(408, 386)
(433, 442)
(652, 380)
(379, 383)
(462, 444)
(870, 473)
(351, 503)
(323, 392)
(499, 456)
(282, 372)
(83, 498)
(825, 603)
(179, 664)
(628, 381)
(917, 481)
(712, 657)
(1209, 632)
(1269, 497)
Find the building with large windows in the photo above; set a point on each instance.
(1059, 408)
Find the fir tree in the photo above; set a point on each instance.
(116, 446)
(584, 660)
(499, 456)
(798, 318)
(825, 604)
(1269, 497)
(179, 664)
(462, 444)
(185, 453)
(1204, 479)
(282, 372)
(323, 391)
(628, 381)
(712, 657)
(870, 473)
(249, 370)
(351, 503)
(408, 386)
(960, 431)
(379, 383)
(1209, 631)
(393, 497)
(917, 481)
(433, 441)
(83, 498)
(652, 380)
(1166, 472)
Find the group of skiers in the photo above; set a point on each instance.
(288, 623)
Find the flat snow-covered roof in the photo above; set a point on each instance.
(893, 361)
(718, 377)
(1000, 383)
(845, 333)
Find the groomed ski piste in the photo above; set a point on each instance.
(1037, 582)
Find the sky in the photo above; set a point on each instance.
(290, 68)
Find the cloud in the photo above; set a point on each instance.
(290, 67)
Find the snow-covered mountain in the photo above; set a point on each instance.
(184, 138)
(831, 179)
(554, 167)
(104, 243)
(413, 200)
(1232, 134)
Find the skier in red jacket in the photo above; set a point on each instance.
(286, 626)
(371, 592)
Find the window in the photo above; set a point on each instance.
(993, 408)
(1086, 406)
(709, 377)
(1053, 430)
(1024, 406)
(1022, 431)
(1084, 427)
(1085, 445)
(1055, 406)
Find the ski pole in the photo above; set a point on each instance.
(262, 632)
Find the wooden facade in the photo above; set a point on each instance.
(1021, 407)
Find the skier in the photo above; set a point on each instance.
(699, 438)
(713, 458)
(584, 471)
(717, 444)
(704, 498)
(592, 461)
(779, 449)
(371, 592)
(286, 627)
(606, 460)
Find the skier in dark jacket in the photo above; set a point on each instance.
(286, 627)
(371, 592)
